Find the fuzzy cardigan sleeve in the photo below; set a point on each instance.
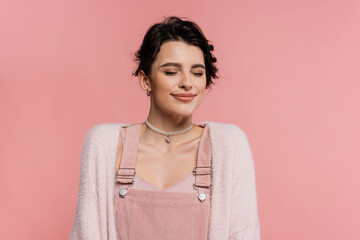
(234, 212)
(94, 219)
(244, 220)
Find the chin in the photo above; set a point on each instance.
(184, 113)
(179, 112)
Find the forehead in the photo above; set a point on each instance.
(179, 51)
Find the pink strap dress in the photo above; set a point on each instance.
(143, 211)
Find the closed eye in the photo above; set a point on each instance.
(170, 73)
(198, 74)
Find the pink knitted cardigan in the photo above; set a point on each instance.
(234, 212)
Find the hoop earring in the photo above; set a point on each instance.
(147, 92)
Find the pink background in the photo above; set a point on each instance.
(289, 77)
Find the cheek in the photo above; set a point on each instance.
(162, 82)
(202, 88)
(201, 91)
(201, 85)
(161, 90)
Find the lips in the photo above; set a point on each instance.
(184, 97)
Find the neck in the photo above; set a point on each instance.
(166, 122)
(169, 123)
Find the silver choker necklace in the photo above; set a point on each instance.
(168, 134)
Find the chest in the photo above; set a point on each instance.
(164, 169)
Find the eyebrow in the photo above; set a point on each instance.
(174, 64)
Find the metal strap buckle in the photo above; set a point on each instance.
(202, 185)
(207, 170)
(126, 175)
(202, 171)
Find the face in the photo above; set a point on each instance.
(178, 79)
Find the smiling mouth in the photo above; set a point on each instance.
(184, 97)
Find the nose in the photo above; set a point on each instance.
(186, 82)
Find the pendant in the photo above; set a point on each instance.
(167, 139)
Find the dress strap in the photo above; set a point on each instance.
(203, 169)
(126, 172)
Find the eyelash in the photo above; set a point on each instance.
(173, 73)
(170, 73)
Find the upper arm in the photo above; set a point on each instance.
(244, 223)
(88, 156)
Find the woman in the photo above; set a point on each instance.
(173, 179)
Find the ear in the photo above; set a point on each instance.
(144, 81)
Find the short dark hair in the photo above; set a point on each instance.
(174, 29)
